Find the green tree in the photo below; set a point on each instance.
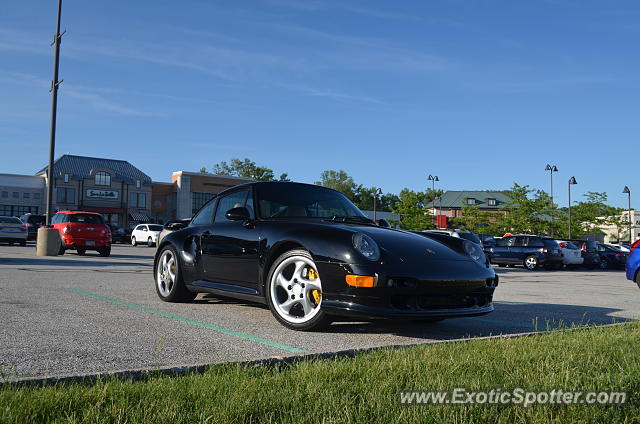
(529, 211)
(246, 168)
(478, 221)
(411, 207)
(341, 181)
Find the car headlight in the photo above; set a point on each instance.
(366, 246)
(474, 250)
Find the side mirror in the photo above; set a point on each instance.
(177, 225)
(383, 223)
(238, 214)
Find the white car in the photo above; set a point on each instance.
(12, 230)
(571, 254)
(146, 233)
(621, 248)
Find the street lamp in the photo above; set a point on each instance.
(572, 181)
(551, 169)
(375, 196)
(433, 180)
(626, 190)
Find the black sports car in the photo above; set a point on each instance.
(310, 255)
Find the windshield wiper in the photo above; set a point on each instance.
(360, 219)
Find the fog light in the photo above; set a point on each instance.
(360, 280)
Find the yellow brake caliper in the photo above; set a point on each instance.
(316, 294)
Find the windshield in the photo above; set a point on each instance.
(86, 219)
(286, 200)
(9, 220)
(155, 227)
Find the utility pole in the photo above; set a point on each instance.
(54, 106)
(433, 179)
(551, 169)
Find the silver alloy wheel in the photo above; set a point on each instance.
(133, 241)
(166, 273)
(287, 292)
(531, 262)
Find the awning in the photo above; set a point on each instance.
(139, 217)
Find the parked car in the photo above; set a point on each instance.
(456, 233)
(621, 246)
(611, 257)
(146, 233)
(310, 254)
(571, 254)
(527, 250)
(633, 263)
(82, 231)
(120, 235)
(33, 222)
(589, 252)
(13, 230)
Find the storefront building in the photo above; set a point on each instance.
(20, 194)
(114, 188)
(187, 192)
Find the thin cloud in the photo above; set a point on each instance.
(331, 94)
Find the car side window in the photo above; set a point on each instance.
(505, 242)
(520, 241)
(230, 201)
(205, 215)
(535, 242)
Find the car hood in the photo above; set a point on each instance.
(397, 245)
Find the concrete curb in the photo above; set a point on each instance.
(145, 373)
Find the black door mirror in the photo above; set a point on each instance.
(177, 225)
(238, 214)
(383, 223)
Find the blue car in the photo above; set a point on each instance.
(633, 263)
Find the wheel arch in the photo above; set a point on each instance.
(273, 254)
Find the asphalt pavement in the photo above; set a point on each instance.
(73, 314)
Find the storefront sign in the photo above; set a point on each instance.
(103, 194)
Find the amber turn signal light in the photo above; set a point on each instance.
(360, 280)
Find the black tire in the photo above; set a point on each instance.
(61, 250)
(80, 251)
(320, 318)
(178, 292)
(133, 241)
(531, 262)
(23, 243)
(104, 251)
(638, 278)
(150, 242)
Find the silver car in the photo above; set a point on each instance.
(571, 254)
(12, 230)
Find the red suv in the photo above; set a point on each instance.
(81, 231)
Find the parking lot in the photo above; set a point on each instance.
(85, 314)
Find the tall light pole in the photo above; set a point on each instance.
(375, 196)
(626, 190)
(572, 181)
(433, 179)
(551, 169)
(54, 106)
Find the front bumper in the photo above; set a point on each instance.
(467, 292)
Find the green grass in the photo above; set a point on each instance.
(363, 389)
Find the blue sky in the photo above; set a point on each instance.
(480, 93)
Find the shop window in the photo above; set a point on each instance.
(137, 200)
(103, 178)
(66, 195)
(66, 178)
(138, 184)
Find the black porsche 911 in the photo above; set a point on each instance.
(311, 255)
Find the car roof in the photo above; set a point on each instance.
(79, 212)
(262, 183)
